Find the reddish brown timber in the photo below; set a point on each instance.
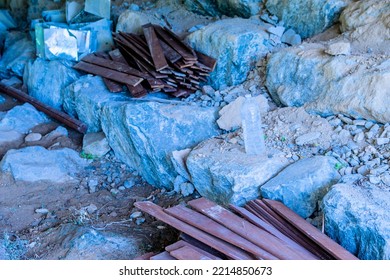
(177, 45)
(117, 56)
(188, 253)
(111, 85)
(206, 60)
(208, 225)
(134, 51)
(262, 214)
(108, 73)
(137, 91)
(114, 65)
(155, 49)
(55, 114)
(180, 41)
(220, 245)
(164, 256)
(181, 243)
(196, 243)
(172, 55)
(140, 49)
(247, 230)
(271, 229)
(310, 231)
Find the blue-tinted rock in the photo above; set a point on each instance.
(327, 85)
(85, 98)
(359, 219)
(224, 173)
(241, 8)
(309, 17)
(47, 79)
(303, 184)
(237, 44)
(35, 164)
(18, 51)
(144, 134)
(203, 7)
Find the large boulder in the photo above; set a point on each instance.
(85, 98)
(36, 164)
(301, 185)
(309, 17)
(358, 218)
(221, 171)
(241, 8)
(353, 85)
(367, 25)
(203, 7)
(236, 43)
(144, 134)
(18, 51)
(132, 21)
(47, 79)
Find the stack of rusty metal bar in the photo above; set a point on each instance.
(155, 61)
(261, 230)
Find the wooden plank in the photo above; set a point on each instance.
(188, 253)
(155, 49)
(114, 65)
(182, 243)
(181, 42)
(137, 91)
(256, 235)
(310, 231)
(134, 51)
(196, 243)
(173, 43)
(164, 256)
(206, 60)
(172, 55)
(108, 73)
(220, 245)
(271, 229)
(111, 85)
(140, 50)
(208, 225)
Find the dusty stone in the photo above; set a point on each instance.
(339, 48)
(301, 185)
(15, 119)
(32, 137)
(47, 79)
(308, 138)
(179, 162)
(144, 134)
(236, 43)
(362, 228)
(327, 85)
(382, 141)
(132, 21)
(95, 144)
(291, 38)
(307, 18)
(224, 173)
(35, 163)
(230, 115)
(42, 211)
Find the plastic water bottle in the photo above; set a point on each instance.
(251, 125)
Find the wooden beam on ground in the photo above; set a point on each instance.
(155, 49)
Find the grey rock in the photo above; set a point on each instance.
(34, 164)
(88, 244)
(15, 119)
(47, 80)
(203, 7)
(58, 132)
(382, 141)
(291, 38)
(236, 43)
(366, 23)
(303, 184)
(307, 17)
(224, 173)
(179, 162)
(136, 215)
(323, 84)
(95, 144)
(187, 189)
(131, 182)
(241, 8)
(308, 138)
(358, 218)
(144, 134)
(132, 21)
(339, 48)
(277, 30)
(18, 52)
(85, 98)
(42, 211)
(10, 137)
(32, 137)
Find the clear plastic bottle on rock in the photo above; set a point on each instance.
(251, 126)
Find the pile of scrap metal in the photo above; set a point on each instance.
(261, 230)
(156, 61)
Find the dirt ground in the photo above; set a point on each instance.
(34, 217)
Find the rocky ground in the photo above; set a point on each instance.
(324, 114)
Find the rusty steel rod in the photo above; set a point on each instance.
(54, 113)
